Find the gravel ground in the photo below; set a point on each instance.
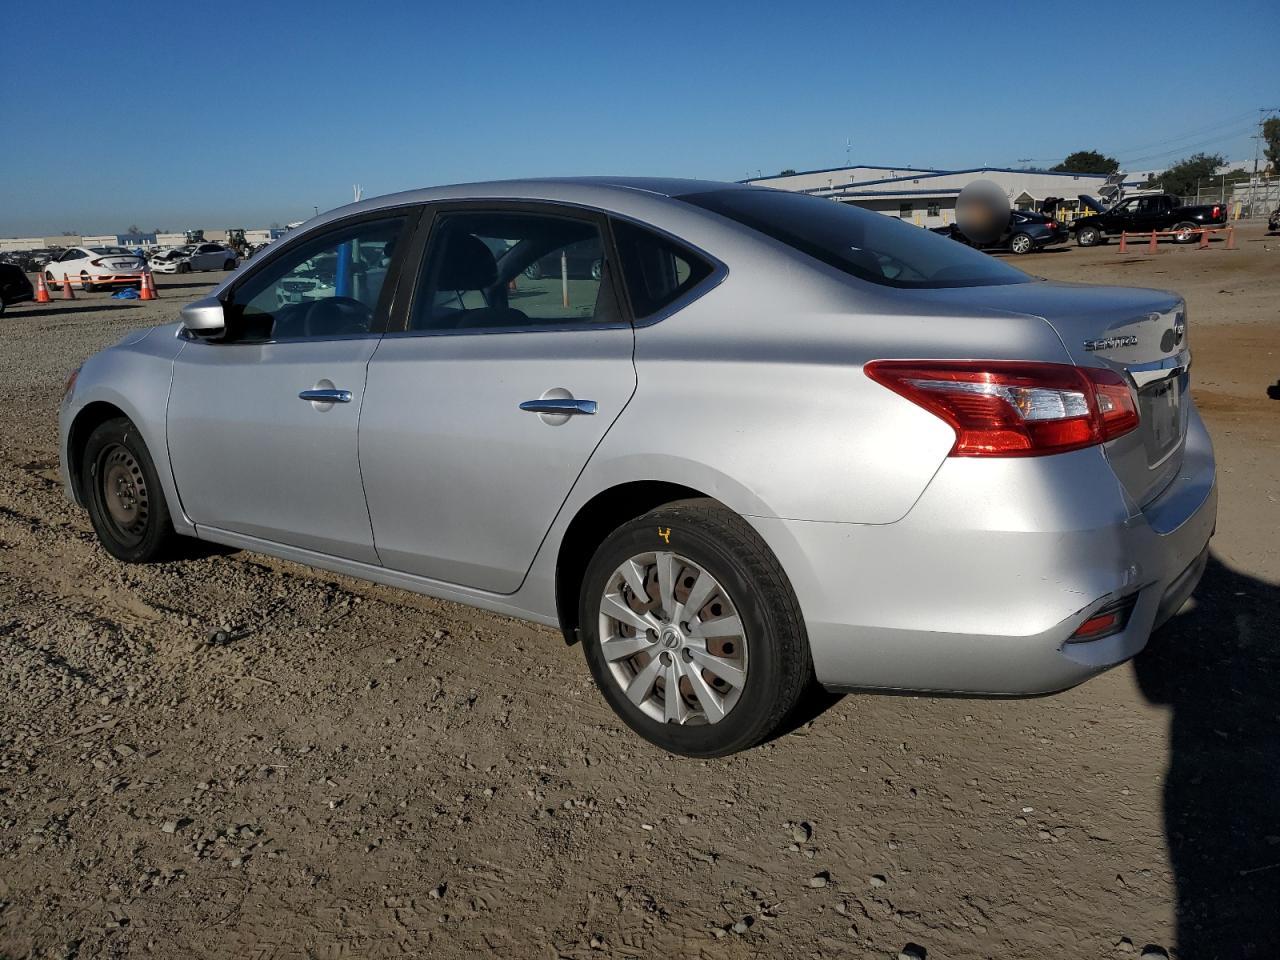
(233, 756)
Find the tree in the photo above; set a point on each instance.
(787, 172)
(1087, 161)
(1271, 135)
(1185, 176)
(133, 230)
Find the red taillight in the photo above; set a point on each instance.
(1001, 408)
(1108, 621)
(1053, 225)
(1216, 211)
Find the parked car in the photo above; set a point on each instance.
(211, 256)
(1027, 232)
(29, 261)
(1158, 211)
(781, 439)
(96, 267)
(1273, 222)
(14, 286)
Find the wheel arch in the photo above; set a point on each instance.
(595, 520)
(91, 416)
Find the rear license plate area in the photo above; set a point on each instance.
(1161, 409)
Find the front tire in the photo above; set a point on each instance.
(1088, 236)
(1185, 232)
(229, 266)
(122, 490)
(1021, 244)
(692, 632)
(184, 268)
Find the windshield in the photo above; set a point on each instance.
(110, 251)
(868, 245)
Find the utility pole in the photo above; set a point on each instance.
(1257, 149)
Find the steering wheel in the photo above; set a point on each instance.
(336, 316)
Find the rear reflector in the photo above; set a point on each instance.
(1110, 620)
(1001, 408)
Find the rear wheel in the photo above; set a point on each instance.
(122, 490)
(1184, 232)
(1088, 236)
(1020, 243)
(85, 284)
(692, 631)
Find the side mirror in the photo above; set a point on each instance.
(204, 318)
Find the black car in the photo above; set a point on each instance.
(1273, 222)
(14, 285)
(1152, 211)
(1027, 232)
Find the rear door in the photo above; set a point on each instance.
(481, 412)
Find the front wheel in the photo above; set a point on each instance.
(1088, 236)
(692, 631)
(229, 265)
(184, 268)
(1020, 243)
(1184, 232)
(122, 490)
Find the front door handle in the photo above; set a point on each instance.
(556, 405)
(326, 396)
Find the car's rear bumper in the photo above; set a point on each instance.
(979, 587)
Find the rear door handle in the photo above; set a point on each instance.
(326, 396)
(554, 405)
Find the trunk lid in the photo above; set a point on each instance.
(1138, 333)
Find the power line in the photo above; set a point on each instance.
(1185, 148)
(1235, 120)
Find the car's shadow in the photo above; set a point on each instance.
(37, 311)
(1217, 667)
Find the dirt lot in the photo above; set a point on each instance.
(232, 756)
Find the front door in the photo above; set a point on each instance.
(480, 415)
(262, 425)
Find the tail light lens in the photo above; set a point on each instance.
(97, 263)
(1015, 409)
(1053, 224)
(1107, 622)
(1216, 211)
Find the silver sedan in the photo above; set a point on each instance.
(734, 441)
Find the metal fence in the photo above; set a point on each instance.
(1243, 200)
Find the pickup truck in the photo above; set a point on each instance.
(1143, 214)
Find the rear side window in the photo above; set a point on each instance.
(867, 245)
(657, 271)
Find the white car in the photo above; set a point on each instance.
(211, 256)
(96, 267)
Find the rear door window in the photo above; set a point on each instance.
(493, 269)
(657, 271)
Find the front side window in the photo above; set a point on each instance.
(506, 269)
(657, 271)
(327, 286)
(859, 242)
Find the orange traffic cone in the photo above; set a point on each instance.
(42, 289)
(1123, 242)
(67, 292)
(1151, 248)
(1231, 237)
(147, 291)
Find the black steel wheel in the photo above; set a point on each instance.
(122, 490)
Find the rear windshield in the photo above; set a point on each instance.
(868, 245)
(110, 251)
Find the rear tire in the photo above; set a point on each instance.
(85, 285)
(743, 642)
(1185, 232)
(1089, 236)
(1021, 244)
(122, 489)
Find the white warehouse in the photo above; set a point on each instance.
(928, 197)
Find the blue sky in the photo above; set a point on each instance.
(240, 114)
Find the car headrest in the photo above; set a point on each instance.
(467, 265)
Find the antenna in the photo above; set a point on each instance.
(848, 150)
